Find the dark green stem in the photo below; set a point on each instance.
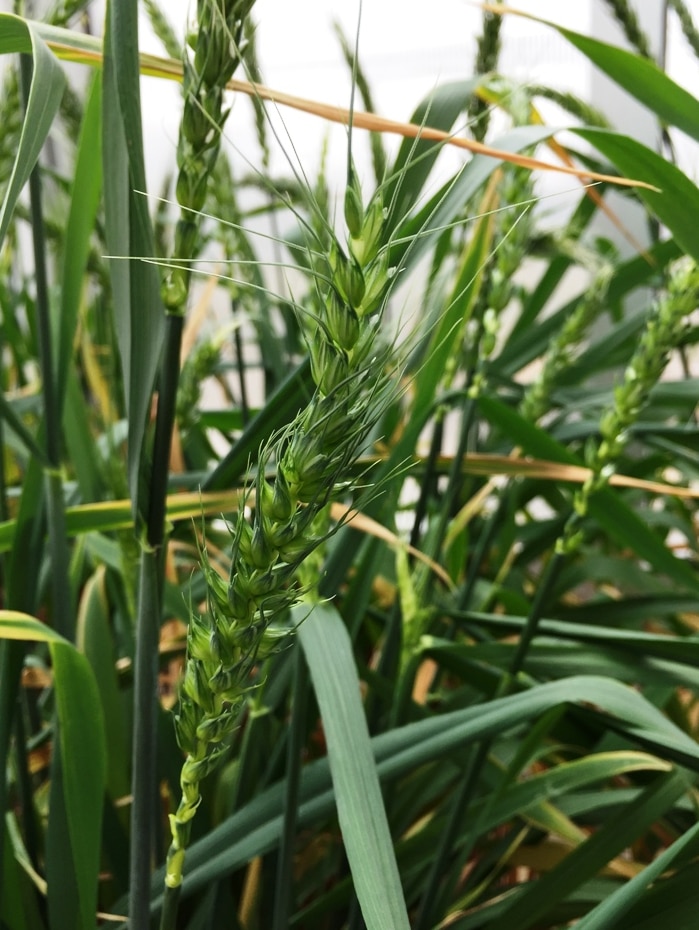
(460, 802)
(144, 744)
(240, 364)
(25, 788)
(429, 478)
(389, 662)
(164, 425)
(296, 737)
(435, 891)
(455, 478)
(543, 590)
(485, 538)
(147, 631)
(171, 901)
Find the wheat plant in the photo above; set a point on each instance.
(312, 460)
(386, 572)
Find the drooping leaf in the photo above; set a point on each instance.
(677, 198)
(416, 157)
(416, 232)
(45, 92)
(536, 899)
(93, 637)
(405, 749)
(641, 78)
(607, 914)
(76, 834)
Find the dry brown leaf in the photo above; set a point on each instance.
(168, 68)
(484, 464)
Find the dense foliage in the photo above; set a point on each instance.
(408, 636)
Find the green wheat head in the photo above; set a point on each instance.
(244, 618)
(664, 332)
(625, 15)
(214, 53)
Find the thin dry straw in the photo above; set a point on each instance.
(167, 68)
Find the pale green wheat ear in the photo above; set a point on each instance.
(215, 51)
(312, 463)
(665, 330)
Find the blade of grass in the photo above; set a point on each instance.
(673, 648)
(82, 749)
(363, 822)
(94, 640)
(62, 610)
(406, 749)
(44, 97)
(538, 898)
(107, 516)
(416, 157)
(670, 902)
(675, 198)
(84, 203)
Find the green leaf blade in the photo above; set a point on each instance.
(45, 93)
(84, 204)
(79, 771)
(641, 78)
(363, 822)
(678, 198)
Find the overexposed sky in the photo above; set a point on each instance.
(405, 53)
(406, 49)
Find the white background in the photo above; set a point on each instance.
(406, 49)
(405, 54)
